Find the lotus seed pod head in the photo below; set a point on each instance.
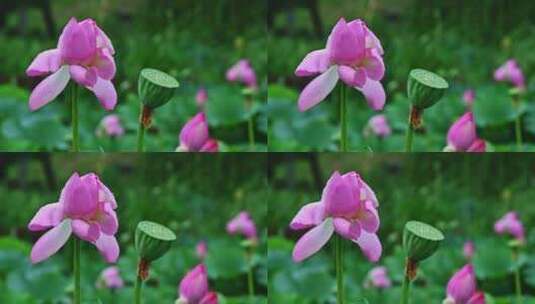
(156, 88)
(425, 88)
(152, 240)
(420, 240)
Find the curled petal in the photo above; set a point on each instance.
(108, 247)
(367, 194)
(210, 145)
(108, 221)
(339, 196)
(105, 92)
(314, 63)
(312, 241)
(83, 76)
(374, 93)
(105, 65)
(477, 298)
(48, 216)
(370, 245)
(375, 67)
(318, 89)
(86, 231)
(77, 198)
(352, 77)
(346, 45)
(478, 145)
(106, 196)
(50, 242)
(347, 229)
(310, 215)
(48, 89)
(209, 298)
(369, 218)
(46, 62)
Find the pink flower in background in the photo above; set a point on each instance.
(378, 124)
(111, 278)
(194, 136)
(468, 250)
(511, 72)
(354, 55)
(85, 208)
(201, 97)
(85, 54)
(349, 207)
(111, 124)
(242, 72)
(201, 250)
(462, 288)
(193, 288)
(469, 96)
(462, 136)
(243, 224)
(510, 224)
(378, 278)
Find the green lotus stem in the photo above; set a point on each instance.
(343, 118)
(72, 94)
(137, 290)
(250, 279)
(518, 123)
(518, 284)
(250, 129)
(415, 117)
(140, 137)
(339, 265)
(76, 269)
(405, 290)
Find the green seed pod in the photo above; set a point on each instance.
(420, 240)
(425, 88)
(152, 240)
(155, 88)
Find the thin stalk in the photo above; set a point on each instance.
(140, 137)
(73, 97)
(518, 284)
(250, 280)
(405, 290)
(76, 269)
(343, 118)
(137, 290)
(414, 121)
(250, 129)
(518, 124)
(339, 264)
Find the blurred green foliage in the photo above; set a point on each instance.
(463, 195)
(194, 41)
(194, 195)
(464, 41)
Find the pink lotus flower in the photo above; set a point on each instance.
(354, 55)
(462, 288)
(243, 224)
(469, 96)
(193, 288)
(511, 72)
(85, 208)
(462, 136)
(347, 206)
(85, 54)
(201, 250)
(201, 97)
(468, 250)
(242, 72)
(111, 278)
(510, 223)
(378, 124)
(194, 136)
(111, 124)
(378, 278)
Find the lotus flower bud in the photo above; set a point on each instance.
(420, 240)
(152, 240)
(425, 88)
(155, 88)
